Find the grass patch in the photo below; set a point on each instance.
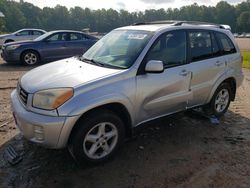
(246, 59)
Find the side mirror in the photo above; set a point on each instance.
(154, 66)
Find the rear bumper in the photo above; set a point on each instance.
(48, 131)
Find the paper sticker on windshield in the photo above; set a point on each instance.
(137, 36)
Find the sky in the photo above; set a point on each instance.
(129, 5)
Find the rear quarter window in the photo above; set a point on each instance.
(227, 46)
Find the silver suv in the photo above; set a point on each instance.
(134, 74)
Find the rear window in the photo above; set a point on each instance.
(227, 46)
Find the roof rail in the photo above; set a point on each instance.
(179, 23)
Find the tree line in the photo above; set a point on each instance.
(25, 15)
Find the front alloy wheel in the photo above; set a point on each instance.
(96, 137)
(30, 58)
(100, 140)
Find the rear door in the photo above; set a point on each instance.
(78, 44)
(164, 93)
(206, 62)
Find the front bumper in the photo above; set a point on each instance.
(10, 56)
(49, 131)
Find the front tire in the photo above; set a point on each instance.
(97, 137)
(30, 58)
(220, 101)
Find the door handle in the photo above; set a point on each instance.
(184, 73)
(218, 63)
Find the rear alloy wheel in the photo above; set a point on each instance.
(220, 101)
(97, 137)
(30, 58)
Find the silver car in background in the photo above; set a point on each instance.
(132, 75)
(23, 34)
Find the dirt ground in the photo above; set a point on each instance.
(184, 150)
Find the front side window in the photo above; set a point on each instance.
(170, 48)
(200, 45)
(58, 37)
(226, 44)
(23, 33)
(119, 48)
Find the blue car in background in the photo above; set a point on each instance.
(49, 47)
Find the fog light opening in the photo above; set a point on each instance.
(39, 133)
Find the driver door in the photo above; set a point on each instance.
(164, 93)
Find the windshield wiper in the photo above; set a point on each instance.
(92, 61)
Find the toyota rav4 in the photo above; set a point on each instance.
(134, 74)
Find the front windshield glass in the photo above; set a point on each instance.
(42, 36)
(119, 48)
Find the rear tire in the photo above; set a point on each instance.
(30, 58)
(220, 101)
(97, 137)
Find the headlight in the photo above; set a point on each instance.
(12, 47)
(52, 98)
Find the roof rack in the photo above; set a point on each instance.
(179, 23)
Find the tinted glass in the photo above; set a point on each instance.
(200, 45)
(226, 44)
(23, 33)
(77, 36)
(215, 47)
(58, 37)
(37, 33)
(170, 48)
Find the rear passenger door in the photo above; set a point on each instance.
(78, 44)
(206, 62)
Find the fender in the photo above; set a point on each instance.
(82, 109)
(227, 74)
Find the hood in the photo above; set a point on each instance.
(20, 42)
(5, 35)
(64, 73)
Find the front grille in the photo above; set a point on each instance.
(23, 95)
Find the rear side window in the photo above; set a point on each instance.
(200, 45)
(38, 33)
(227, 46)
(77, 37)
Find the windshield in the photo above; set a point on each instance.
(119, 48)
(43, 36)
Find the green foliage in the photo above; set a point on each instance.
(23, 15)
(244, 21)
(246, 59)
